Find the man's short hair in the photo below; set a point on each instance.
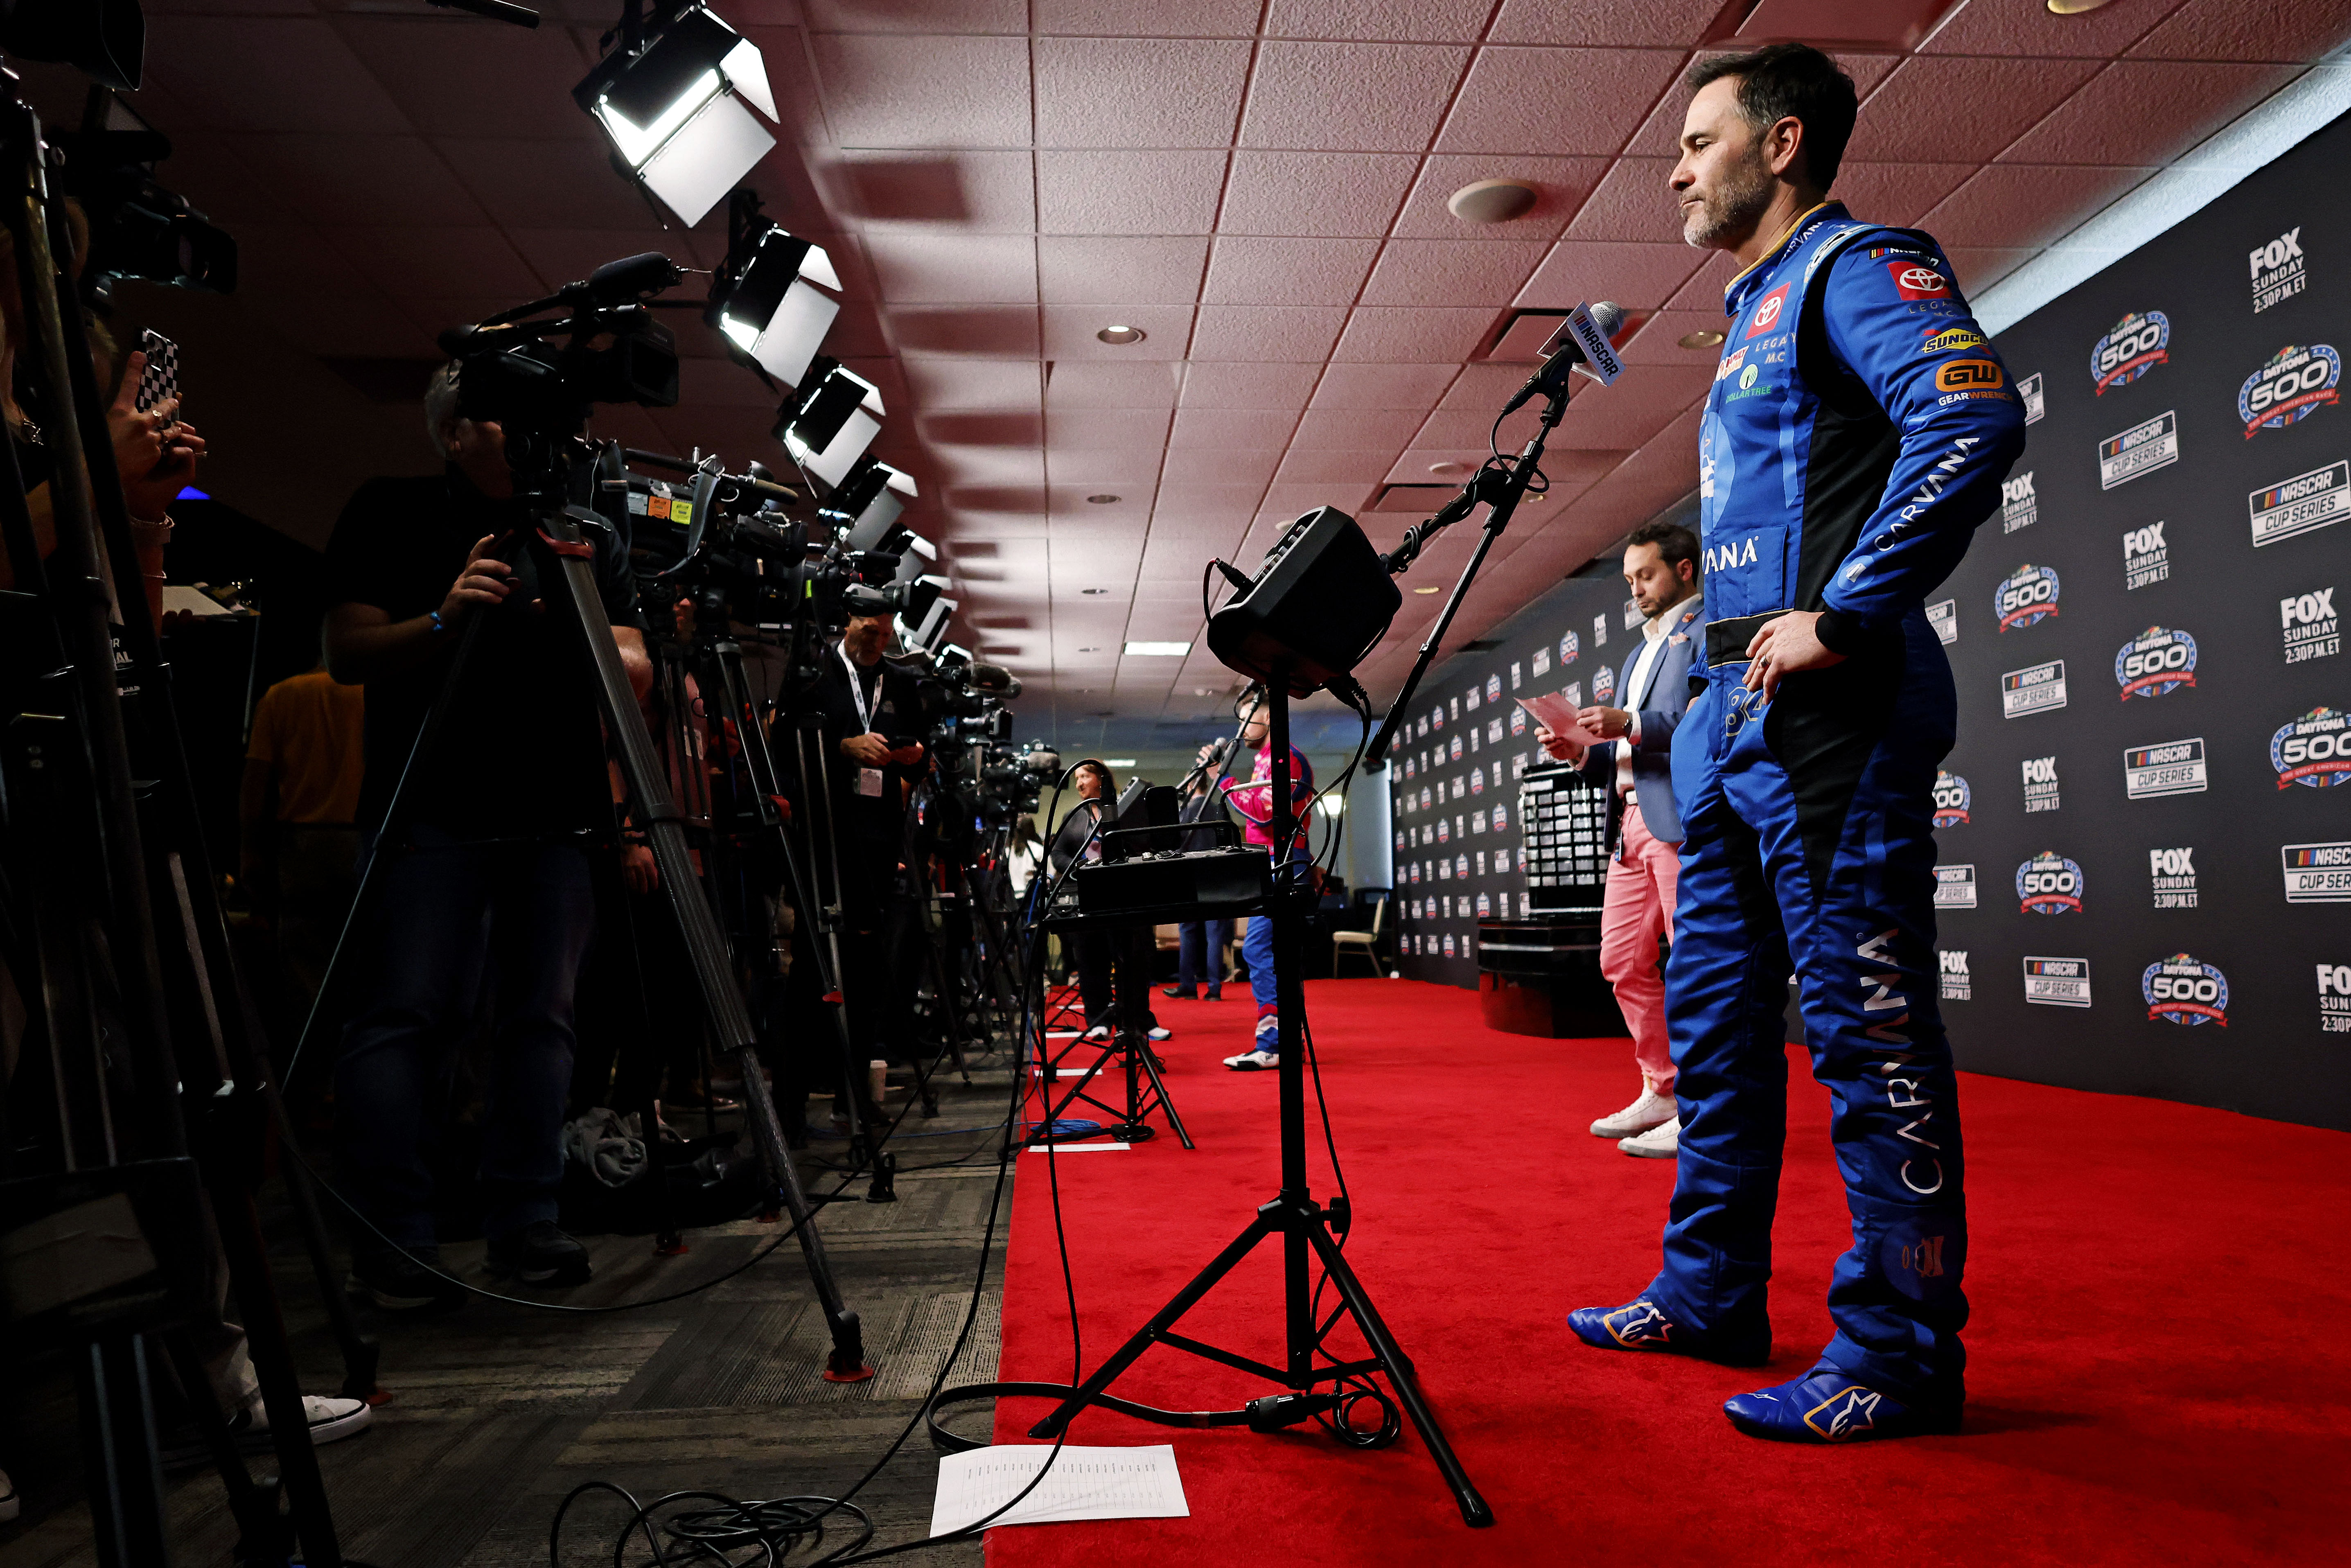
(441, 407)
(1675, 543)
(1785, 82)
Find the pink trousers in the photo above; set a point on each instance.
(1638, 909)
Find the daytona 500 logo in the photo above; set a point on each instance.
(2179, 989)
(2025, 596)
(2048, 883)
(2291, 387)
(2132, 347)
(2155, 662)
(1952, 799)
(2313, 750)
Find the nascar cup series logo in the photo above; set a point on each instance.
(2294, 384)
(2313, 750)
(2132, 347)
(2026, 597)
(1952, 799)
(2048, 883)
(2157, 661)
(2179, 990)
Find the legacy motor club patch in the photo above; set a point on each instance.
(2295, 383)
(2179, 989)
(2026, 597)
(2131, 347)
(2158, 660)
(2313, 750)
(2048, 883)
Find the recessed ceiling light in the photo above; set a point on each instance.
(1158, 650)
(1707, 339)
(1090, 650)
(1492, 200)
(1102, 500)
(1121, 334)
(1423, 591)
(1094, 591)
(1448, 467)
(1118, 761)
(2075, 7)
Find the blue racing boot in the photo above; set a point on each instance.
(1644, 1325)
(1824, 1405)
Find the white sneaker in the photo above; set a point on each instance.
(1101, 1032)
(1651, 1110)
(1162, 1032)
(1253, 1061)
(1662, 1142)
(331, 1421)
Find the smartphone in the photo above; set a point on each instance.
(161, 380)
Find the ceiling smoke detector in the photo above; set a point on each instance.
(1492, 200)
(1122, 335)
(1706, 339)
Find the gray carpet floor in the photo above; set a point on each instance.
(499, 1410)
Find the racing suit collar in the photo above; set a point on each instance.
(1779, 247)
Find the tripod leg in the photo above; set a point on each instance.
(264, 1537)
(1159, 1087)
(1165, 1318)
(1473, 1509)
(124, 1479)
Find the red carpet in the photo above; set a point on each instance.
(2158, 1357)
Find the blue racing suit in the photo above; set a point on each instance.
(1857, 431)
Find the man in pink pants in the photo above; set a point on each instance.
(1633, 760)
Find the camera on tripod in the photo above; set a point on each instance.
(543, 376)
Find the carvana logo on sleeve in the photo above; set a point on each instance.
(2295, 383)
(2313, 750)
(2132, 347)
(2026, 597)
(2155, 662)
(2048, 883)
(2179, 989)
(1952, 799)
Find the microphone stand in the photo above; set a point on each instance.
(1500, 488)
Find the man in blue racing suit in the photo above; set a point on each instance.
(1857, 431)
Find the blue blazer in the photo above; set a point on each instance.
(1661, 707)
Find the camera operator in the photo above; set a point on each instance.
(873, 722)
(495, 858)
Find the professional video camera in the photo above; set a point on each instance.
(137, 228)
(542, 377)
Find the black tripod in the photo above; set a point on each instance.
(1130, 1055)
(1305, 1226)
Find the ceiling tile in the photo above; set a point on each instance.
(1122, 469)
(288, 259)
(953, 467)
(885, 91)
(1090, 270)
(350, 180)
(1606, 23)
(1157, 193)
(2145, 111)
(986, 331)
(934, 268)
(1979, 269)
(1939, 108)
(1006, 427)
(1337, 466)
(557, 256)
(362, 324)
(1415, 465)
(1357, 429)
(1484, 386)
(1130, 92)
(1560, 184)
(1232, 429)
(970, 192)
(1411, 21)
(1405, 386)
(1457, 272)
(1221, 466)
(1091, 383)
(1144, 428)
(1147, 18)
(273, 73)
(2232, 30)
(414, 262)
(1634, 203)
(1390, 335)
(1303, 333)
(1069, 331)
(1897, 193)
(1357, 98)
(1559, 100)
(1011, 384)
(1191, 504)
(1249, 269)
(2024, 204)
(1637, 277)
(1248, 385)
(2018, 29)
(1342, 193)
(1659, 340)
(460, 79)
(1703, 291)
(917, 15)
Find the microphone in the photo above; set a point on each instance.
(1581, 340)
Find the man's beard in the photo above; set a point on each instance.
(1733, 208)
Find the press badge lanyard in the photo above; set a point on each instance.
(869, 780)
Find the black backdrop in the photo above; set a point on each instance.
(2146, 827)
